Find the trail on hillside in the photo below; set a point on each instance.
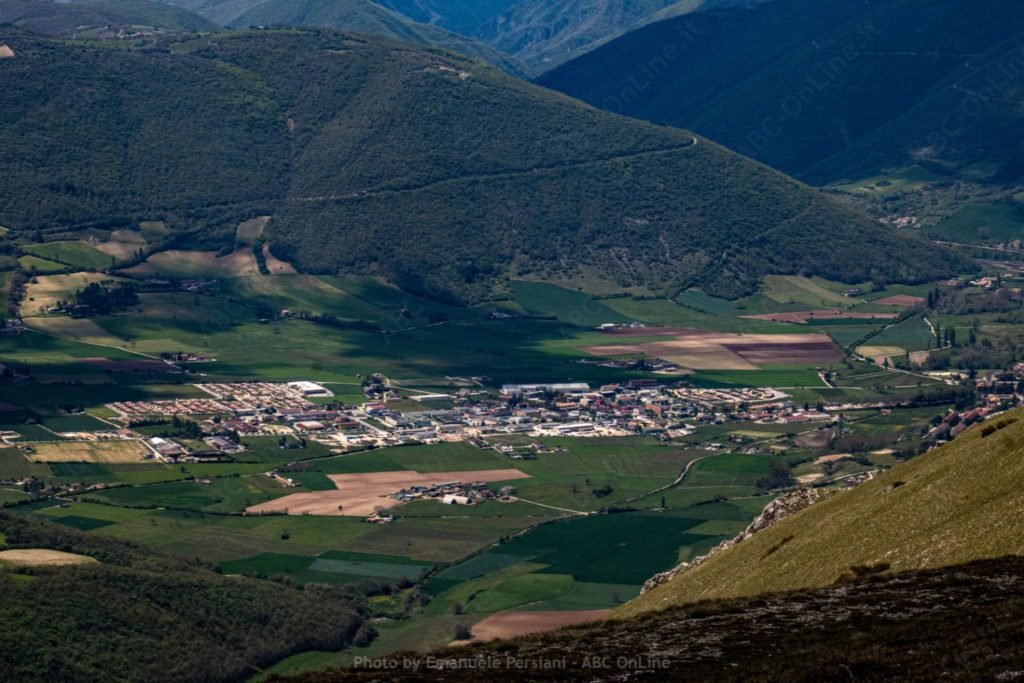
(501, 175)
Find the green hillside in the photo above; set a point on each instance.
(441, 174)
(360, 16)
(130, 615)
(825, 91)
(959, 503)
(79, 17)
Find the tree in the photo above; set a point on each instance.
(461, 632)
(458, 608)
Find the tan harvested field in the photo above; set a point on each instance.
(901, 300)
(47, 290)
(251, 230)
(40, 557)
(881, 351)
(704, 350)
(512, 624)
(119, 250)
(185, 264)
(801, 317)
(819, 438)
(835, 457)
(88, 451)
(123, 244)
(275, 265)
(359, 495)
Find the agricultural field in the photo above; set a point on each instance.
(104, 452)
(589, 520)
(40, 265)
(574, 307)
(981, 223)
(41, 558)
(197, 264)
(910, 179)
(45, 291)
(699, 350)
(71, 253)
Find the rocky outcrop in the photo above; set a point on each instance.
(780, 508)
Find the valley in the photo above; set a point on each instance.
(331, 344)
(659, 425)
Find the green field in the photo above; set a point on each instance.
(912, 334)
(909, 179)
(40, 265)
(569, 306)
(71, 253)
(994, 222)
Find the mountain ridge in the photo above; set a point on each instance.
(438, 173)
(818, 90)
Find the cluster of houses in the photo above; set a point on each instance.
(956, 422)
(456, 493)
(637, 406)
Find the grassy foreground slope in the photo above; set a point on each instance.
(438, 173)
(130, 615)
(956, 504)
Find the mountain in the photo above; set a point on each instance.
(436, 172)
(460, 16)
(361, 16)
(73, 18)
(958, 623)
(826, 91)
(956, 504)
(115, 612)
(544, 33)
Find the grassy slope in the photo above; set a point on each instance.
(458, 168)
(959, 503)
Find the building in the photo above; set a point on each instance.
(310, 389)
(569, 388)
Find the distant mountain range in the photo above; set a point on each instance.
(437, 172)
(362, 16)
(530, 35)
(827, 91)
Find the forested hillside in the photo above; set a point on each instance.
(958, 623)
(439, 173)
(78, 17)
(826, 91)
(129, 615)
(360, 16)
(544, 33)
